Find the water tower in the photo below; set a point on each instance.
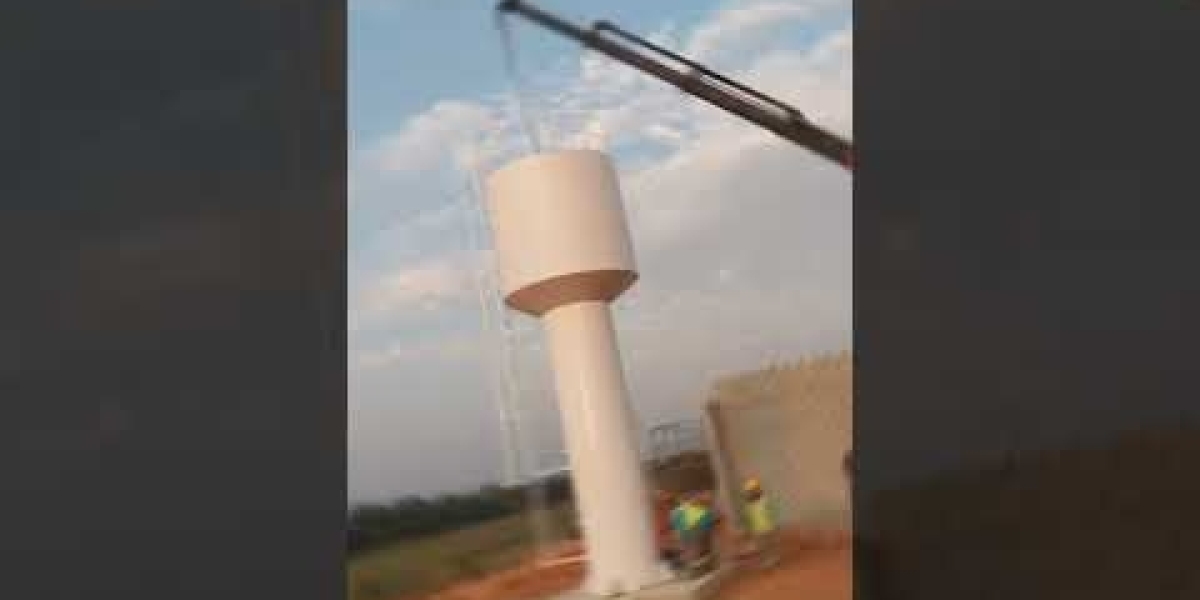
(564, 254)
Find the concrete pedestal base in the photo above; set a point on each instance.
(701, 588)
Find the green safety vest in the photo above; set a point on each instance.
(687, 517)
(758, 516)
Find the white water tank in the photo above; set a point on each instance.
(563, 252)
(560, 231)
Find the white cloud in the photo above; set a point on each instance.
(432, 138)
(420, 352)
(819, 82)
(740, 23)
(402, 180)
(425, 287)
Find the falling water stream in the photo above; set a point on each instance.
(500, 335)
(523, 108)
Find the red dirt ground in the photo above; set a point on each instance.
(527, 582)
(814, 566)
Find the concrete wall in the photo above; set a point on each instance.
(790, 426)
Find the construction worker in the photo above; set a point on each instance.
(693, 522)
(664, 505)
(760, 521)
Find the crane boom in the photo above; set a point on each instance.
(694, 79)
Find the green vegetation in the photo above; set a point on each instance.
(412, 567)
(373, 525)
(418, 545)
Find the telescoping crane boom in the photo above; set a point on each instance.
(694, 79)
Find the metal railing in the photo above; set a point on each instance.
(671, 439)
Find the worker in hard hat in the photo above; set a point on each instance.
(668, 549)
(760, 521)
(693, 521)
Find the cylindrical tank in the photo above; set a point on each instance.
(564, 253)
(560, 231)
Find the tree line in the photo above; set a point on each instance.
(372, 525)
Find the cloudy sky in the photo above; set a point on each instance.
(742, 239)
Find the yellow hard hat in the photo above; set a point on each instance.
(752, 485)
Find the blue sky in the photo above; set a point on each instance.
(457, 37)
(743, 240)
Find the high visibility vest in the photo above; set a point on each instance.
(758, 516)
(688, 517)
